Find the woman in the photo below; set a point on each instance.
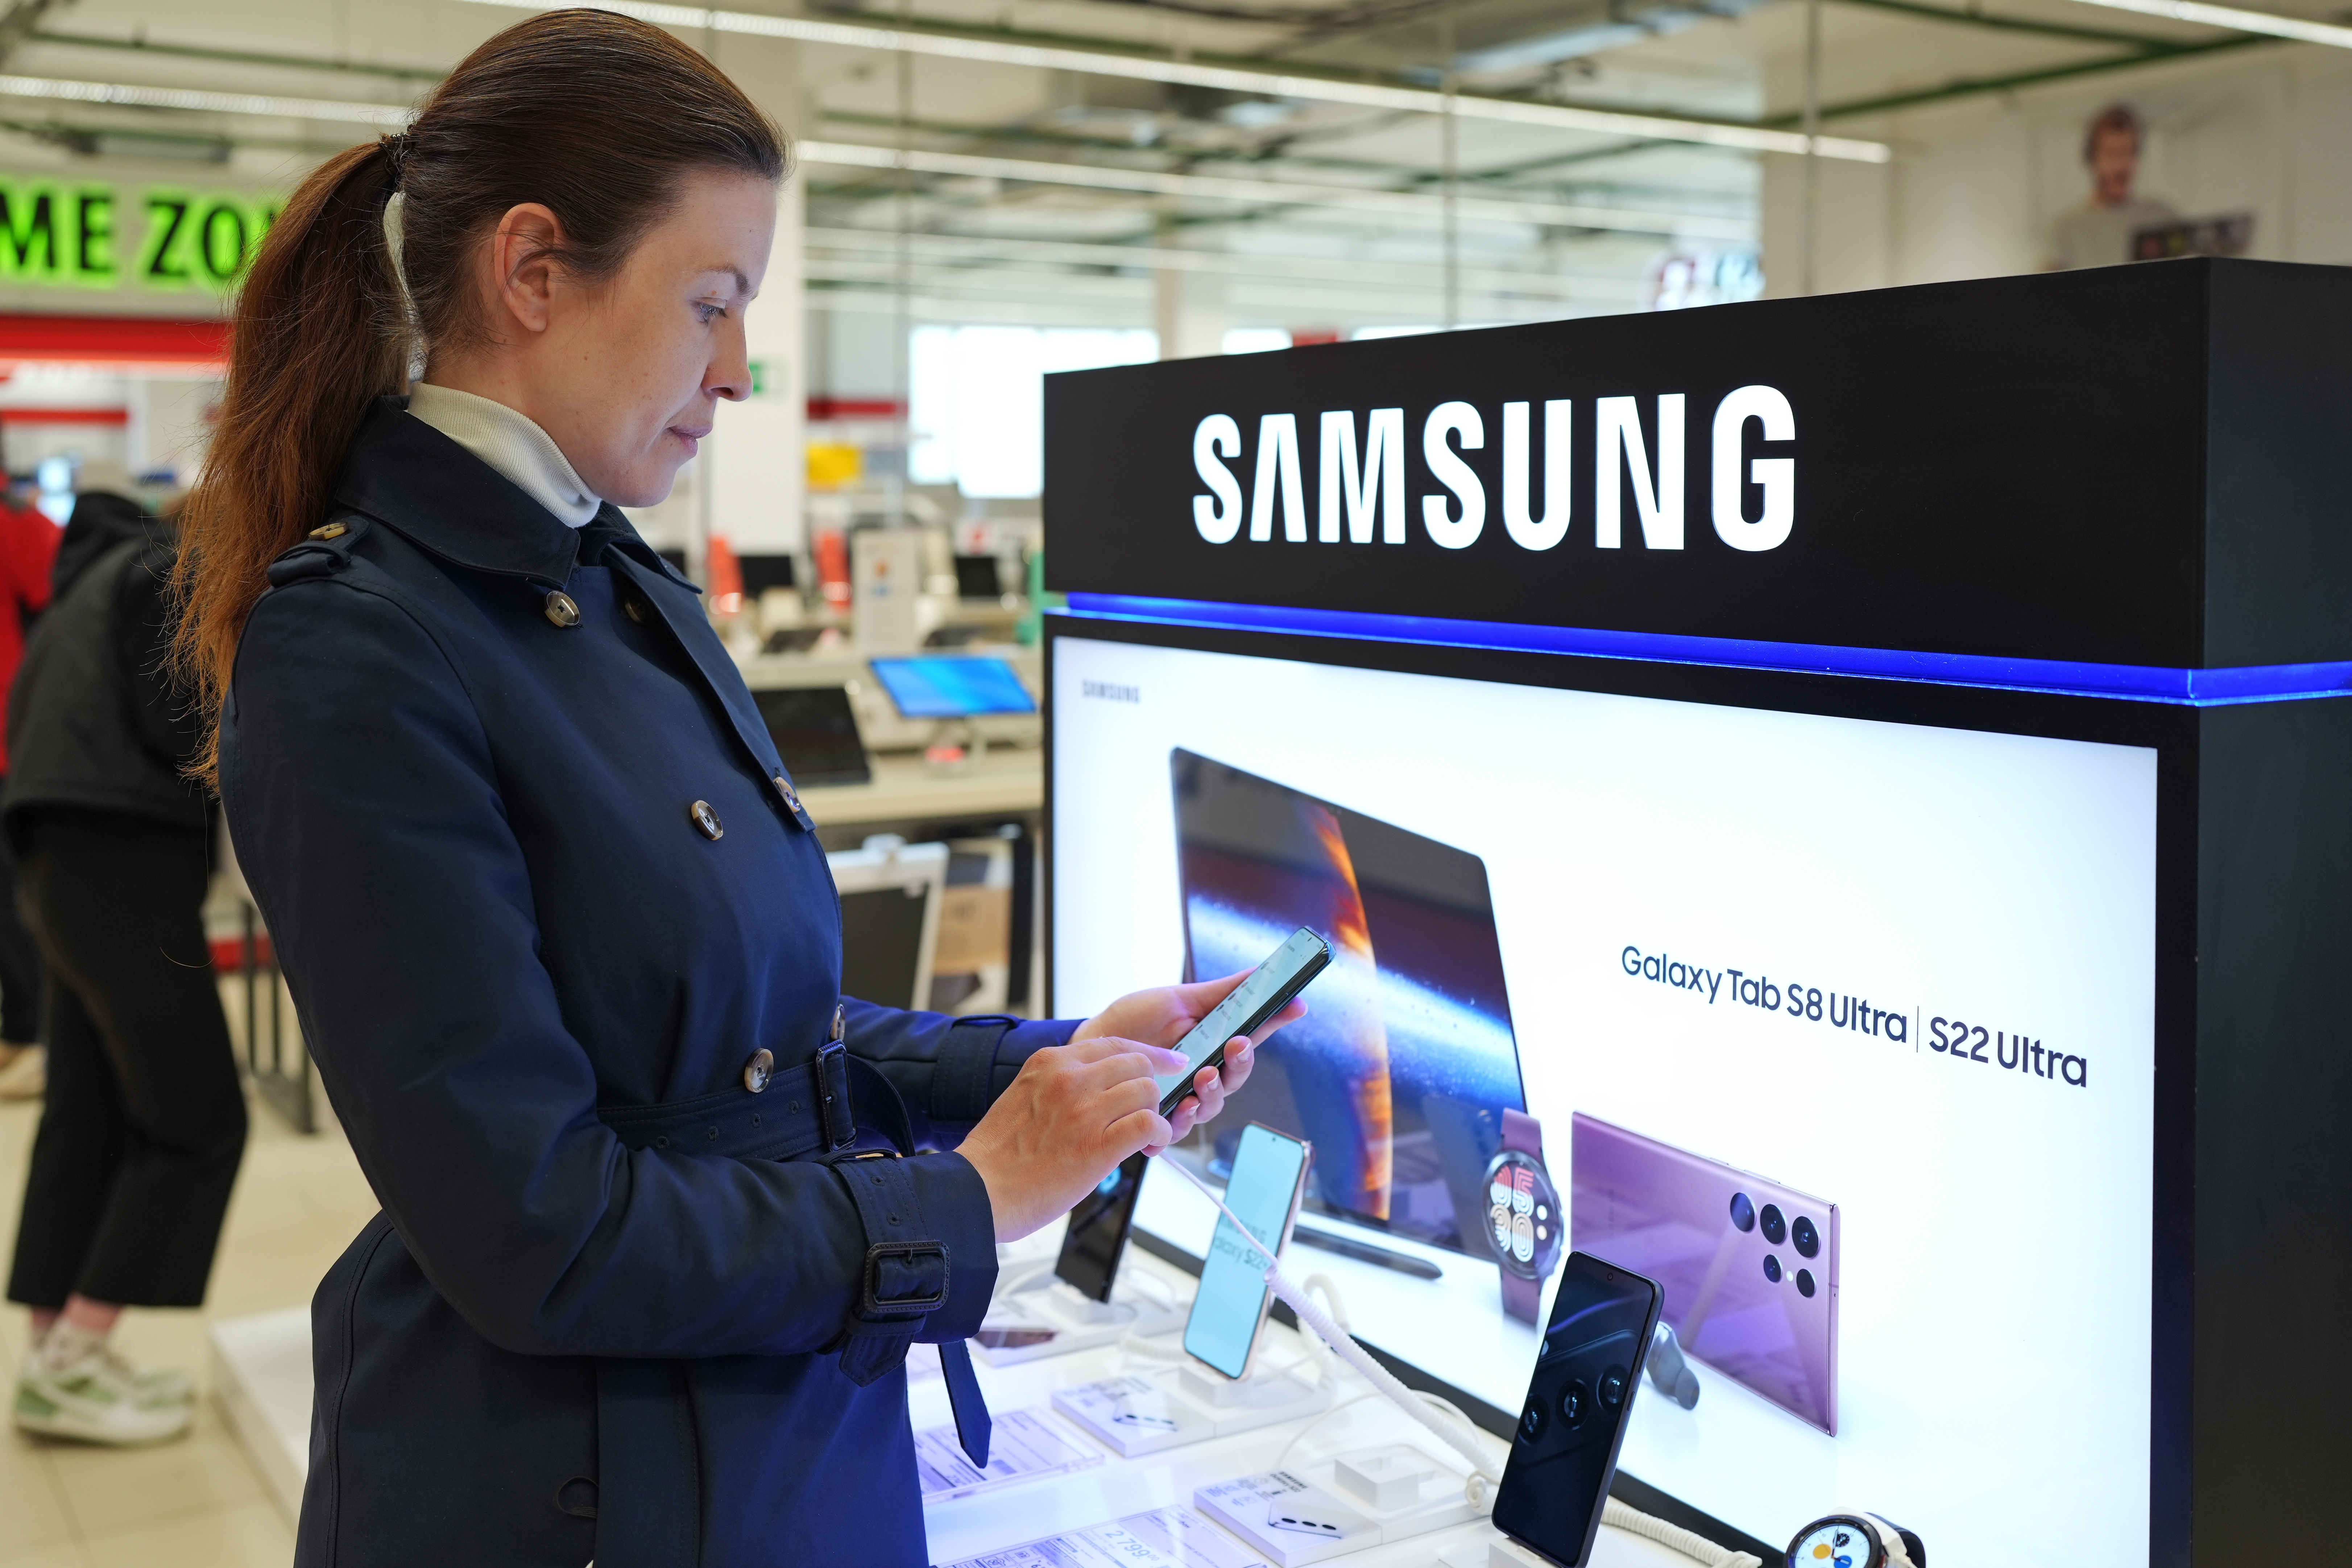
(144, 1123)
(560, 934)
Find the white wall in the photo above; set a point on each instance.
(1975, 184)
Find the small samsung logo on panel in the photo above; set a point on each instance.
(1359, 500)
(1111, 692)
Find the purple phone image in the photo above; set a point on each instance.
(1749, 1268)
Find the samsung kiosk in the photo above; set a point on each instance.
(1882, 756)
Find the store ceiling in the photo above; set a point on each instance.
(986, 228)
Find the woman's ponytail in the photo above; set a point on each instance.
(320, 330)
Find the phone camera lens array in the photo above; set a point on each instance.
(1777, 1228)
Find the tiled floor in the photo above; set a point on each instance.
(194, 1503)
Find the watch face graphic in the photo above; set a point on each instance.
(1523, 1218)
(1836, 1543)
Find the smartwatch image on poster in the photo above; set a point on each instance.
(1522, 1215)
(1856, 1541)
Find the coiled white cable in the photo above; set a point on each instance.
(1674, 1538)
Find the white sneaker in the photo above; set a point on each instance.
(156, 1384)
(24, 1075)
(98, 1399)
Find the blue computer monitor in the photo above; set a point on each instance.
(953, 688)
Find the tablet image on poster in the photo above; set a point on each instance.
(1840, 1029)
(1401, 1070)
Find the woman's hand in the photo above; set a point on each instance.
(1076, 1110)
(1073, 1113)
(1165, 1015)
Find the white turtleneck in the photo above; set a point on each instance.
(511, 443)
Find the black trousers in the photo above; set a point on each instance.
(144, 1123)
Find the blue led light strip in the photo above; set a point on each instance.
(2128, 682)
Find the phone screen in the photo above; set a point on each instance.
(1587, 1372)
(1268, 1171)
(1097, 1232)
(1269, 986)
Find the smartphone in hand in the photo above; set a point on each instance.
(1267, 991)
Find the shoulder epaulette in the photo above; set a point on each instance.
(323, 551)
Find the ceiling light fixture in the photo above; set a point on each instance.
(1188, 73)
(2238, 20)
(1251, 266)
(196, 98)
(1095, 177)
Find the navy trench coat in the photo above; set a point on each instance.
(617, 1305)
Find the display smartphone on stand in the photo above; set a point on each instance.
(1587, 1372)
(1096, 1235)
(1269, 1178)
(1267, 991)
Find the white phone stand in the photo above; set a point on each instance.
(1169, 1406)
(1063, 1321)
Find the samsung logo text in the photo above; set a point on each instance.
(1361, 488)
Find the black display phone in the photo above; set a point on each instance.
(1587, 1372)
(1098, 1233)
(1267, 991)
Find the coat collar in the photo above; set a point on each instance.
(446, 501)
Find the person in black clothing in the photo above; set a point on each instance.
(144, 1124)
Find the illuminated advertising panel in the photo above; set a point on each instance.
(1905, 971)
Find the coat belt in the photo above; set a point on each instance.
(787, 1120)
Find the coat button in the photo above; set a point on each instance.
(566, 612)
(331, 530)
(635, 608)
(706, 819)
(758, 1070)
(785, 788)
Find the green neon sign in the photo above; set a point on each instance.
(79, 235)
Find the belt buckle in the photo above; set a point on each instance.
(870, 1306)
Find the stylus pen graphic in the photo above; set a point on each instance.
(1365, 1252)
(1344, 1345)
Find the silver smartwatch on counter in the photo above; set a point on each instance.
(1522, 1215)
(1856, 1541)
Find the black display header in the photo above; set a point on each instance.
(2148, 465)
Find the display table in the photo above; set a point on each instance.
(261, 1369)
(907, 789)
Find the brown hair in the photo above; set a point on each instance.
(595, 115)
(2115, 117)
